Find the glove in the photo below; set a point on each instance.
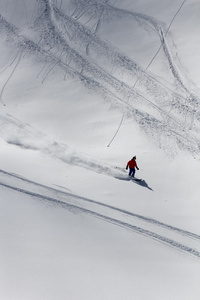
(138, 168)
(126, 168)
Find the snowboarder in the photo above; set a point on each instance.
(132, 165)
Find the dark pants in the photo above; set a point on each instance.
(132, 172)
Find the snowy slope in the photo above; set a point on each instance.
(84, 86)
(164, 106)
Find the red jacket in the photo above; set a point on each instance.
(132, 164)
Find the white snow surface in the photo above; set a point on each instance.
(84, 86)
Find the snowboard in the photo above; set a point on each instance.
(128, 178)
(135, 178)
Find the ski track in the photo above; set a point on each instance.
(176, 238)
(66, 39)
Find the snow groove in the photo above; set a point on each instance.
(77, 209)
(174, 237)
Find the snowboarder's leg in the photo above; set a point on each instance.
(132, 172)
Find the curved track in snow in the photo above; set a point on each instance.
(176, 238)
(69, 38)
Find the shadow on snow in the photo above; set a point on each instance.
(140, 182)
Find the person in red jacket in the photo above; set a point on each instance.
(132, 165)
